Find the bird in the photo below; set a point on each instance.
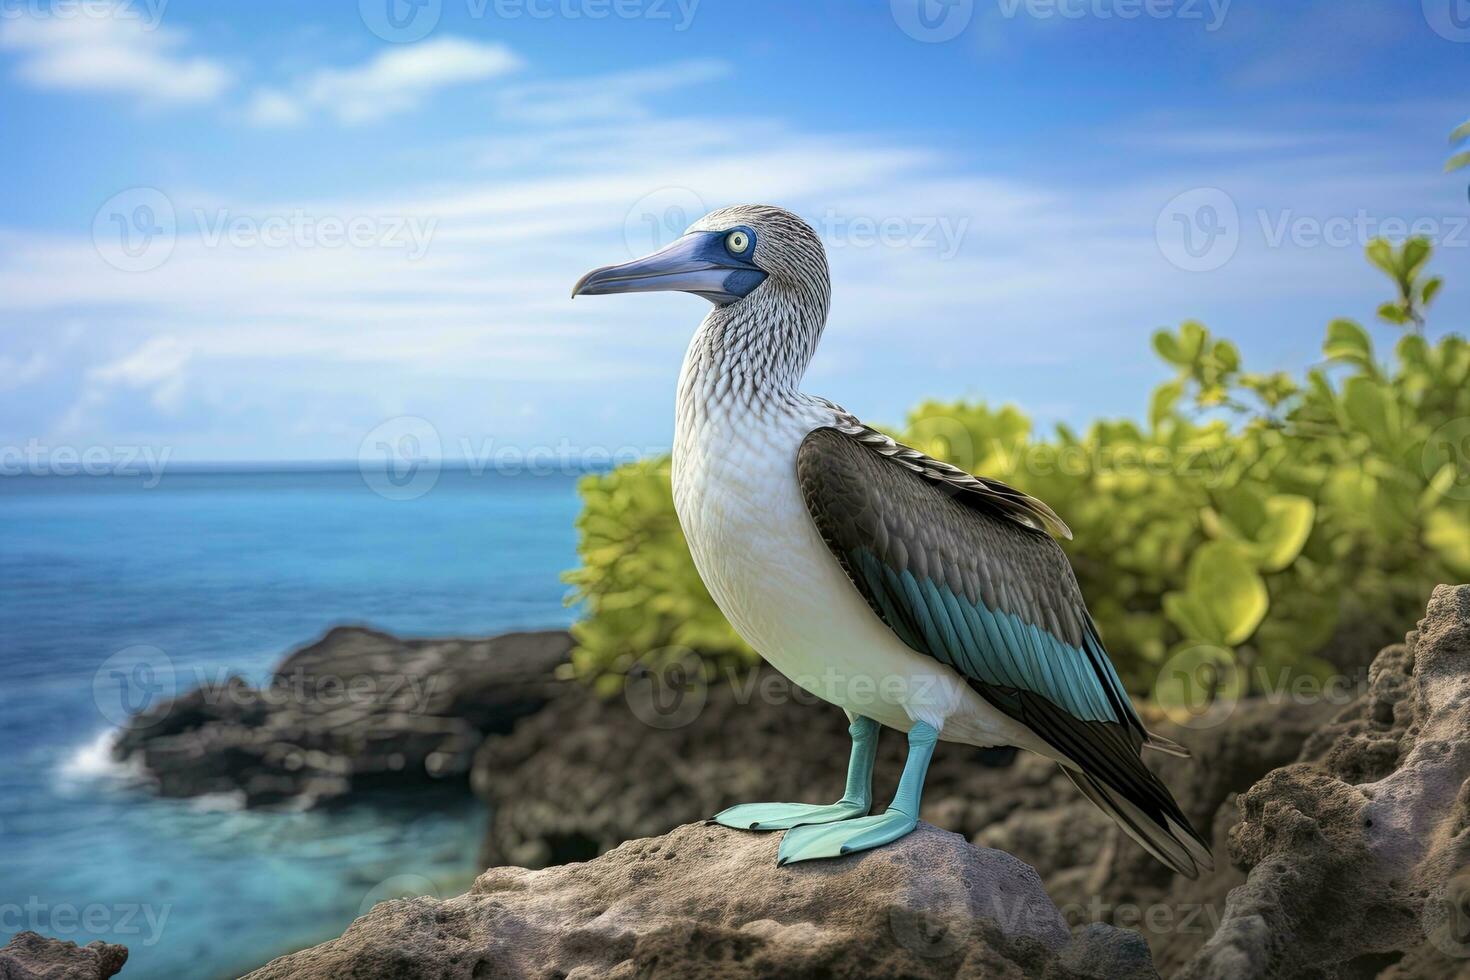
(904, 590)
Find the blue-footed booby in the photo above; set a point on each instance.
(907, 592)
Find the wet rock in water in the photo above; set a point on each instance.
(357, 710)
(30, 956)
(1359, 855)
(708, 902)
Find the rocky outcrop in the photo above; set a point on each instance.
(356, 710)
(1359, 854)
(583, 775)
(30, 956)
(708, 902)
(561, 789)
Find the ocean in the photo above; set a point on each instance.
(229, 570)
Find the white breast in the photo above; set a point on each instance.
(772, 575)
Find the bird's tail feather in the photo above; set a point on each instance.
(1167, 746)
(1173, 842)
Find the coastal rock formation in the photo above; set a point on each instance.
(356, 710)
(707, 902)
(1359, 854)
(561, 789)
(30, 956)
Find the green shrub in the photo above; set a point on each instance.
(1251, 519)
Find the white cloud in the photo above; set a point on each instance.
(614, 98)
(272, 107)
(1053, 279)
(158, 367)
(395, 81)
(114, 53)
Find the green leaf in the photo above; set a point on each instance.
(1393, 313)
(1412, 256)
(1447, 531)
(1161, 405)
(1457, 162)
(1347, 341)
(1461, 132)
(1288, 524)
(1370, 406)
(1192, 618)
(1429, 290)
(1166, 345)
(1230, 591)
(1380, 253)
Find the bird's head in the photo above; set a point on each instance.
(726, 256)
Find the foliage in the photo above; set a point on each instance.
(1251, 518)
(645, 600)
(1462, 158)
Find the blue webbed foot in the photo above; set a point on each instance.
(854, 803)
(783, 816)
(807, 843)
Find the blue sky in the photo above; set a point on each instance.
(260, 231)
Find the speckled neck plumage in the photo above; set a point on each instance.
(750, 356)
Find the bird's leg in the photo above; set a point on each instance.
(855, 802)
(902, 815)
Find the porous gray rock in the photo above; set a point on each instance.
(356, 710)
(708, 902)
(583, 775)
(31, 956)
(1359, 854)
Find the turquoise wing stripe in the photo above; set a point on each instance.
(986, 645)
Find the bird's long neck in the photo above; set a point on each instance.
(751, 355)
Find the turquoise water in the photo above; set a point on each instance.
(229, 570)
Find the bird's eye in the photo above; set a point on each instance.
(737, 241)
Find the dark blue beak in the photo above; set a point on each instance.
(698, 263)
